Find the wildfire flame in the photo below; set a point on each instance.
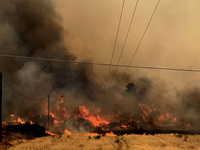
(91, 134)
(49, 132)
(67, 132)
(148, 115)
(19, 120)
(110, 134)
(96, 120)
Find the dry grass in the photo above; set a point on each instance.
(19, 141)
(126, 142)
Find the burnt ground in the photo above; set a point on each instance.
(19, 132)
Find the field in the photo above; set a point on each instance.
(126, 142)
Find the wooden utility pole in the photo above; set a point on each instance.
(1, 107)
(48, 111)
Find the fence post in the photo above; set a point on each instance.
(48, 111)
(1, 137)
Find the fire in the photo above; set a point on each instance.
(52, 115)
(50, 133)
(96, 120)
(110, 134)
(31, 122)
(67, 132)
(147, 116)
(19, 120)
(161, 119)
(12, 115)
(91, 134)
(61, 114)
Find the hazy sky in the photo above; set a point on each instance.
(172, 39)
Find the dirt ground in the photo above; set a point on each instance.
(126, 142)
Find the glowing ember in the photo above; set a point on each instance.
(31, 122)
(110, 134)
(12, 115)
(91, 134)
(19, 120)
(50, 133)
(67, 132)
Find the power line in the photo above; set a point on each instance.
(102, 64)
(115, 42)
(136, 50)
(49, 59)
(164, 68)
(125, 41)
(19, 92)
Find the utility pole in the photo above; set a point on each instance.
(1, 107)
(48, 111)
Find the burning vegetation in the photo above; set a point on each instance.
(83, 119)
(147, 119)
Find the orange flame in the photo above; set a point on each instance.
(110, 134)
(50, 133)
(146, 114)
(12, 115)
(96, 120)
(91, 134)
(19, 120)
(67, 132)
(31, 122)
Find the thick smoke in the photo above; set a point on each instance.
(33, 28)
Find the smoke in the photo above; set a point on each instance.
(35, 28)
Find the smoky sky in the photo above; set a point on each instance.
(172, 39)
